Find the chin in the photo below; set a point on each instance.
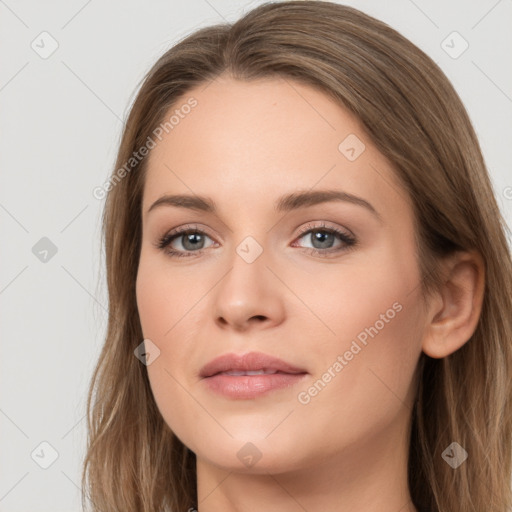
(251, 456)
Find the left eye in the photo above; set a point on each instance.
(322, 238)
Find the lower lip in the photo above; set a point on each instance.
(251, 386)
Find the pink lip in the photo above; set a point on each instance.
(247, 362)
(249, 386)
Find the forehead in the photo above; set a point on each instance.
(249, 142)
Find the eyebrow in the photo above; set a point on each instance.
(286, 203)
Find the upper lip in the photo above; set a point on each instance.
(247, 362)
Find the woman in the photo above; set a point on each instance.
(309, 281)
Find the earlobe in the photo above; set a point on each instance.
(454, 316)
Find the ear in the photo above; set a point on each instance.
(453, 315)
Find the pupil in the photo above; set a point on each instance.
(190, 239)
(320, 237)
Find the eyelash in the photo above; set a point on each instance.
(163, 243)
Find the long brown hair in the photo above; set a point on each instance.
(415, 118)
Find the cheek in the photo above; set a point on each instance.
(368, 354)
(164, 303)
(164, 319)
(149, 299)
(366, 382)
(164, 297)
(372, 292)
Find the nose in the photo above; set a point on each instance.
(249, 296)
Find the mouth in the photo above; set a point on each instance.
(249, 376)
(238, 373)
(251, 363)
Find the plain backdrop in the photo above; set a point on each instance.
(61, 120)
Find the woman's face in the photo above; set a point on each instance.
(266, 271)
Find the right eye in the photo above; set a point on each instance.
(191, 239)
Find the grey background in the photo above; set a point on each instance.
(60, 123)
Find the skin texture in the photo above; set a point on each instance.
(245, 144)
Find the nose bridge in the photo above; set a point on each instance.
(250, 249)
(248, 238)
(248, 268)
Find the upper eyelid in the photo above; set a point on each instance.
(326, 226)
(188, 228)
(305, 229)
